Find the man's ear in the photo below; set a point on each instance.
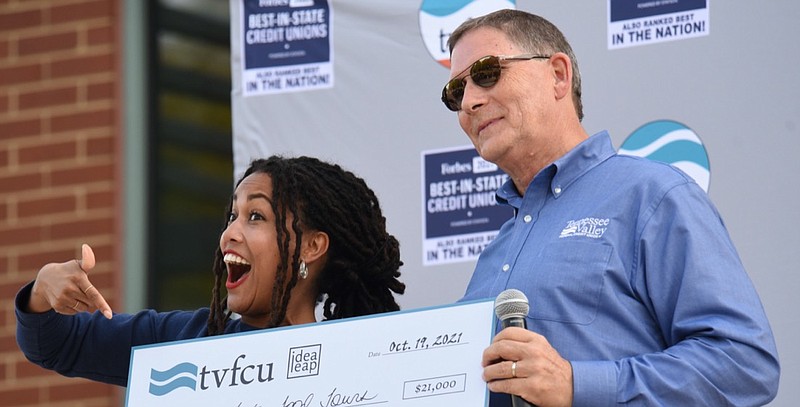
(315, 246)
(562, 74)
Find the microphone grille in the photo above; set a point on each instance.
(510, 303)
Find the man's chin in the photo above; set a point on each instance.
(489, 151)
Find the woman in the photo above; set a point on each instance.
(299, 232)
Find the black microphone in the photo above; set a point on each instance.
(511, 307)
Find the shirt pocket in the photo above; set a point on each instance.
(567, 281)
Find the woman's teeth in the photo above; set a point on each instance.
(231, 258)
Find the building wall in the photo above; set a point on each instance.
(60, 160)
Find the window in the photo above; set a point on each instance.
(190, 153)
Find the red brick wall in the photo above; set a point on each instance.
(59, 169)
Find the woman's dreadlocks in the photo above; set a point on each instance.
(363, 259)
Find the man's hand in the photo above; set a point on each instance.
(540, 375)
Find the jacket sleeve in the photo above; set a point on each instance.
(91, 346)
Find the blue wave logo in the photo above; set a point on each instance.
(672, 143)
(443, 8)
(180, 375)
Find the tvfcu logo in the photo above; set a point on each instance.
(186, 375)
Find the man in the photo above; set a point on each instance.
(637, 294)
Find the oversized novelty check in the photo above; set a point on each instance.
(427, 357)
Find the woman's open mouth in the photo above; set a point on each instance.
(238, 270)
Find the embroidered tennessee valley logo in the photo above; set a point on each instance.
(589, 227)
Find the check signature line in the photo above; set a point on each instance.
(372, 403)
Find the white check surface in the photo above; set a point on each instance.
(428, 357)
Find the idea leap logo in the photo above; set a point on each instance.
(304, 361)
(673, 143)
(180, 375)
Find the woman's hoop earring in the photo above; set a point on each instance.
(303, 273)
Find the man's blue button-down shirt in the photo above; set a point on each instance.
(632, 277)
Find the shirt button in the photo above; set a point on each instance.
(557, 190)
(527, 218)
(506, 267)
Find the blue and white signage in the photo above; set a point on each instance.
(460, 211)
(424, 358)
(438, 18)
(673, 143)
(286, 46)
(641, 22)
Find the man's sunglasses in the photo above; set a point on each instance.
(484, 72)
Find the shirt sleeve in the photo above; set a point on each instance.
(91, 346)
(719, 347)
(594, 383)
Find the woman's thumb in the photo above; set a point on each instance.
(87, 258)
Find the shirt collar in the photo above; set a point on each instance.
(564, 171)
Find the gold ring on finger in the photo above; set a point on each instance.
(88, 288)
(75, 307)
(513, 369)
